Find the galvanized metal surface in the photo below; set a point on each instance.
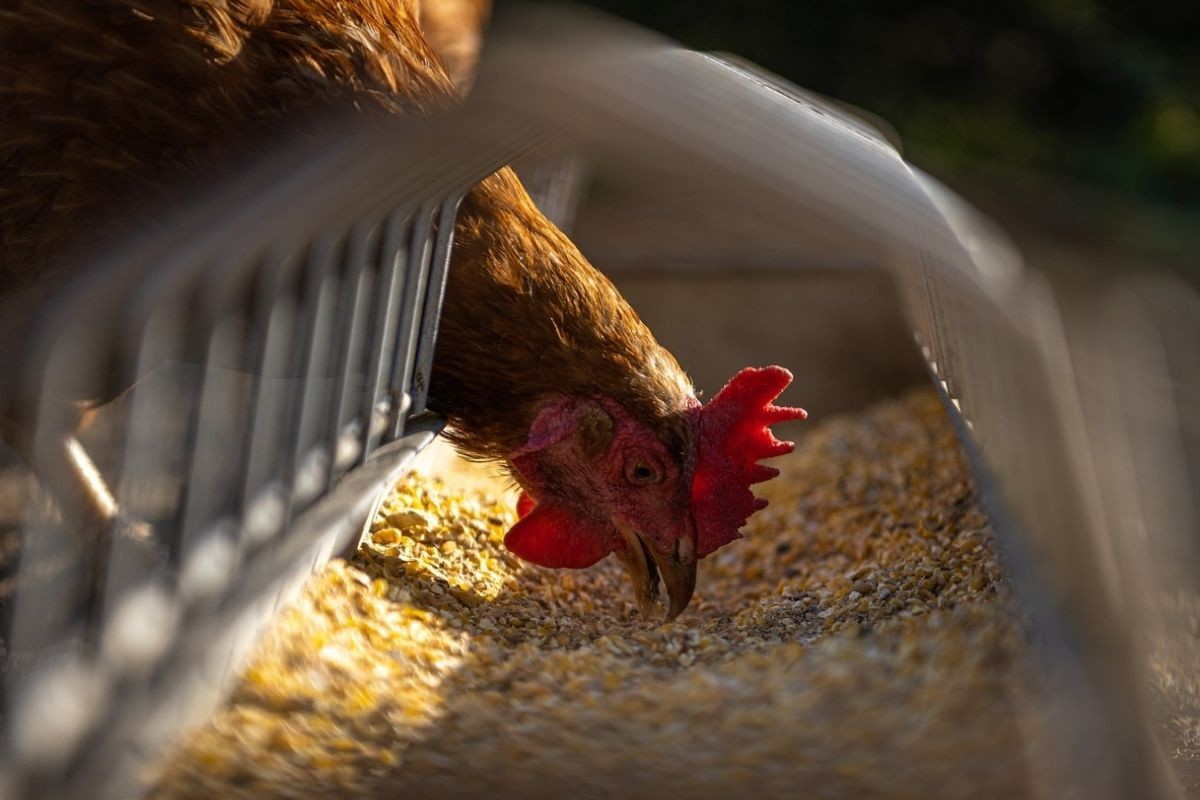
(279, 353)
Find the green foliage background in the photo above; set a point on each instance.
(1100, 92)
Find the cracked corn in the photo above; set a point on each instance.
(858, 642)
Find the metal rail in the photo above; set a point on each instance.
(279, 351)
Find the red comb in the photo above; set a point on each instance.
(733, 433)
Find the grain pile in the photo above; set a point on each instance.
(858, 642)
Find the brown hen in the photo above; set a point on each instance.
(540, 362)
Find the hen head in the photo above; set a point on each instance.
(597, 480)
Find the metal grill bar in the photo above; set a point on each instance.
(312, 461)
(402, 386)
(381, 405)
(263, 379)
(426, 338)
(346, 441)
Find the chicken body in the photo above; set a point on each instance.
(102, 100)
(540, 362)
(526, 318)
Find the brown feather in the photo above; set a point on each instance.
(528, 318)
(100, 98)
(454, 29)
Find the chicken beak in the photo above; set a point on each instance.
(679, 574)
(645, 563)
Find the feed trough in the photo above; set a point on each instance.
(746, 220)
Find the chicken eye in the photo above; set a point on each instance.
(641, 473)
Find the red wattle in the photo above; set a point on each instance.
(525, 504)
(554, 536)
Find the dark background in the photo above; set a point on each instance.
(1068, 120)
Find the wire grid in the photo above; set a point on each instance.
(266, 378)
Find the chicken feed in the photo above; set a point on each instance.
(860, 641)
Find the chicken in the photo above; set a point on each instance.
(454, 29)
(540, 364)
(597, 422)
